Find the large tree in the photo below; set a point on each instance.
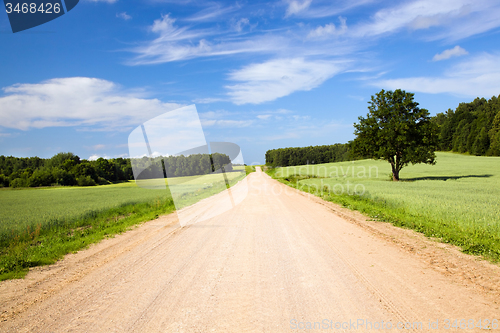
(396, 130)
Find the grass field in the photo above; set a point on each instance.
(39, 226)
(456, 200)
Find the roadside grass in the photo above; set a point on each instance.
(456, 201)
(39, 226)
(188, 190)
(249, 169)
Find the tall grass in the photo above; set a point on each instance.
(26, 208)
(456, 200)
(46, 243)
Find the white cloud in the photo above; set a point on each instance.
(75, 101)
(328, 30)
(325, 8)
(95, 157)
(211, 13)
(226, 123)
(476, 77)
(124, 16)
(280, 77)
(208, 100)
(221, 118)
(447, 54)
(264, 116)
(168, 32)
(238, 26)
(296, 6)
(457, 18)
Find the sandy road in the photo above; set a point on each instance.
(275, 263)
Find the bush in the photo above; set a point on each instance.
(40, 178)
(19, 182)
(63, 177)
(85, 181)
(102, 181)
(4, 181)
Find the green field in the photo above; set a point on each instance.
(39, 226)
(20, 208)
(30, 207)
(456, 200)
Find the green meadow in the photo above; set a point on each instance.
(39, 226)
(457, 200)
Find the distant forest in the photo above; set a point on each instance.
(308, 155)
(67, 169)
(472, 128)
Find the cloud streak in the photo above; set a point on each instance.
(329, 30)
(124, 16)
(175, 44)
(457, 51)
(457, 19)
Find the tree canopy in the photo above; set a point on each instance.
(396, 130)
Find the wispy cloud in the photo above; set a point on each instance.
(124, 16)
(326, 8)
(214, 12)
(241, 23)
(75, 101)
(208, 100)
(329, 30)
(457, 51)
(226, 123)
(457, 18)
(279, 77)
(478, 76)
(297, 6)
(174, 44)
(264, 116)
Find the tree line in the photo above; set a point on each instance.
(67, 169)
(472, 128)
(308, 155)
(182, 166)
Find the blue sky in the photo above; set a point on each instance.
(263, 74)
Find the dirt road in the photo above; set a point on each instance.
(278, 262)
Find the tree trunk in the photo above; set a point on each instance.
(395, 173)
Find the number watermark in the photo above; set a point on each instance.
(25, 15)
